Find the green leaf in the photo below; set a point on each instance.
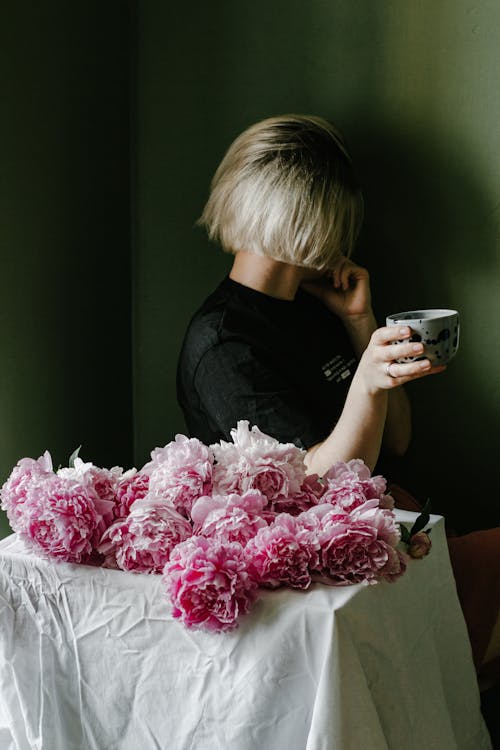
(423, 519)
(427, 507)
(74, 455)
(405, 534)
(419, 524)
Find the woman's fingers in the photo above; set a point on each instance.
(387, 334)
(398, 370)
(386, 339)
(337, 271)
(385, 356)
(403, 373)
(345, 270)
(378, 365)
(398, 351)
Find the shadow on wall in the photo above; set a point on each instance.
(429, 241)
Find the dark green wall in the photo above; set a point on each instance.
(415, 88)
(64, 232)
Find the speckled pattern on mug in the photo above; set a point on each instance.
(438, 330)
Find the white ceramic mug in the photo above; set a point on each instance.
(438, 330)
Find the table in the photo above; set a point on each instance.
(91, 659)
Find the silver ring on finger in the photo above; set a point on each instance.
(388, 369)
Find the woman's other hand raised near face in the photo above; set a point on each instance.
(344, 289)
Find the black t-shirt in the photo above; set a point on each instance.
(286, 366)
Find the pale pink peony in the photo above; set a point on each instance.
(309, 494)
(229, 518)
(420, 545)
(383, 520)
(350, 484)
(318, 515)
(60, 519)
(132, 486)
(101, 484)
(208, 583)
(143, 542)
(14, 491)
(343, 552)
(257, 461)
(283, 553)
(181, 472)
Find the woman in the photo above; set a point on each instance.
(289, 340)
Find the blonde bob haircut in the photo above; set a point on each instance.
(286, 189)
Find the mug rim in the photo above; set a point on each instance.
(436, 314)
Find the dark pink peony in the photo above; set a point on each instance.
(257, 461)
(143, 542)
(181, 472)
(229, 518)
(132, 486)
(283, 553)
(208, 583)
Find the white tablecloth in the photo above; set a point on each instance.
(92, 659)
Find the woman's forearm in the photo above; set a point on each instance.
(357, 434)
(397, 433)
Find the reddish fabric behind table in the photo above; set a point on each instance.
(475, 559)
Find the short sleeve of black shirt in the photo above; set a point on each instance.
(285, 365)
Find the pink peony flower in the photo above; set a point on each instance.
(14, 491)
(101, 484)
(269, 515)
(383, 520)
(208, 583)
(317, 516)
(132, 486)
(143, 542)
(420, 545)
(283, 553)
(351, 551)
(60, 519)
(181, 472)
(350, 484)
(230, 518)
(309, 494)
(257, 461)
(355, 545)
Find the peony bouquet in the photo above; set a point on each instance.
(218, 522)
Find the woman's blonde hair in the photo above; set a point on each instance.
(286, 189)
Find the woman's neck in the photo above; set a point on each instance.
(271, 277)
